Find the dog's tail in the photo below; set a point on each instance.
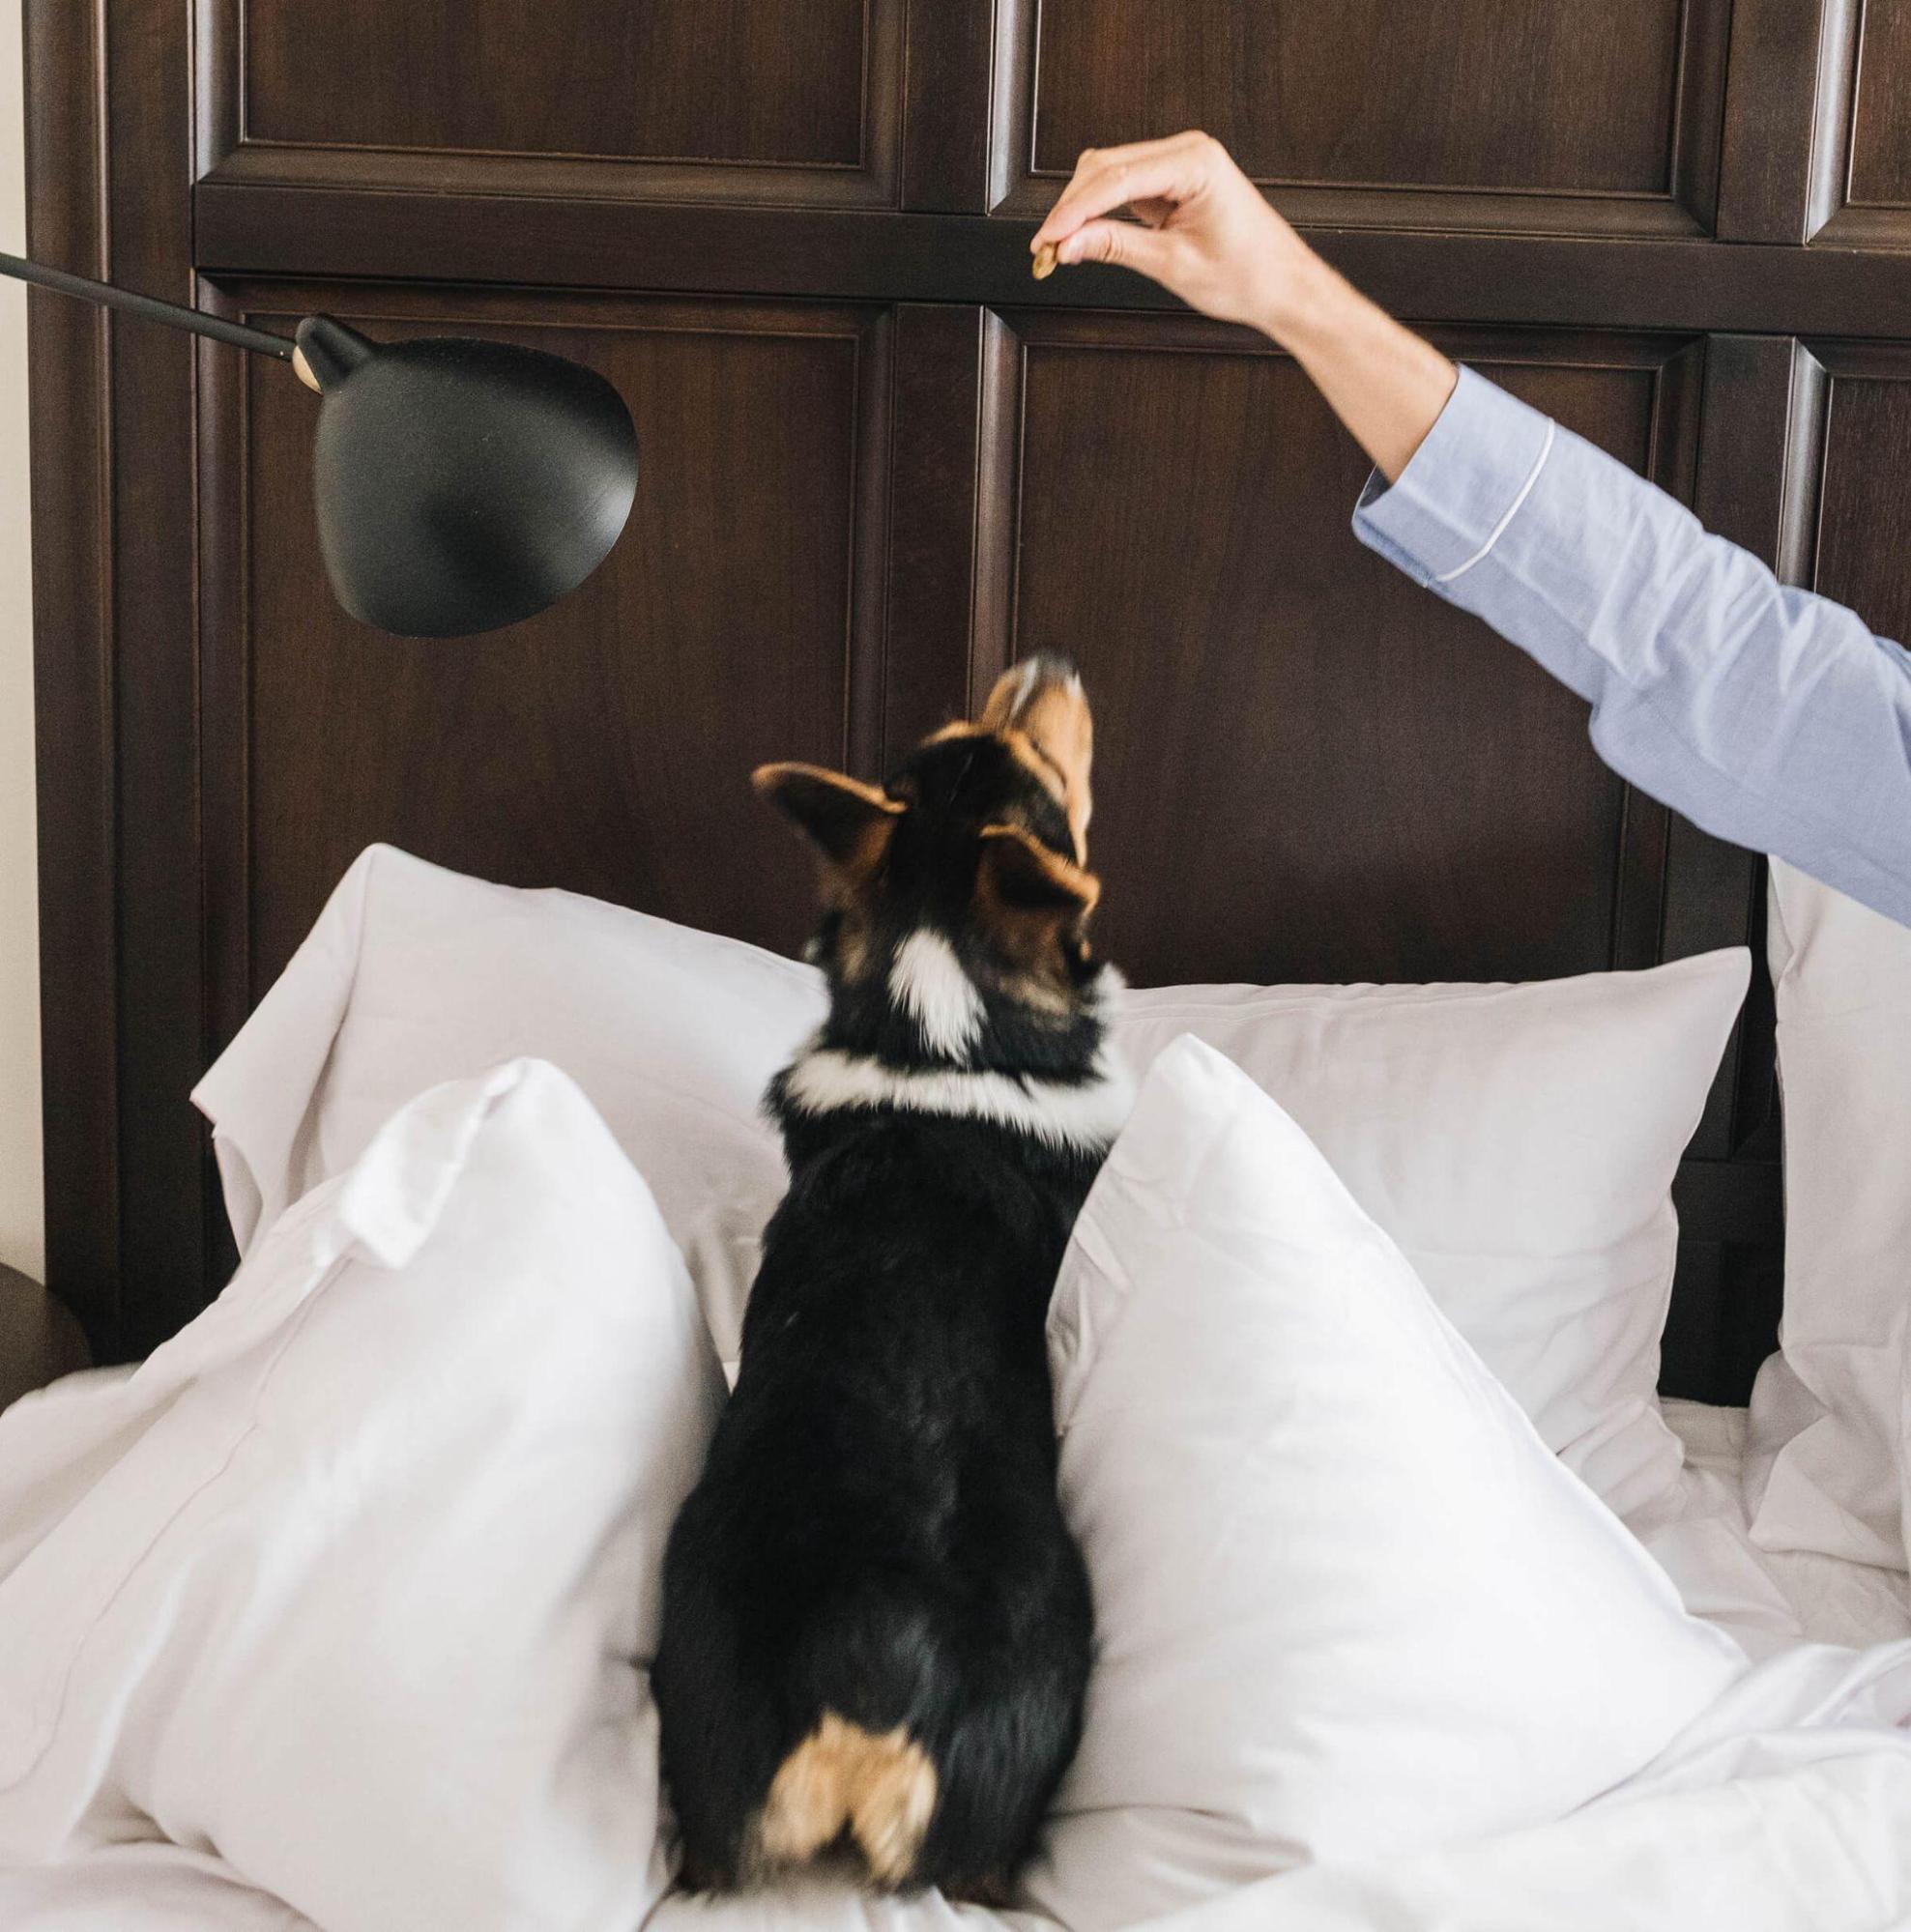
(881, 1787)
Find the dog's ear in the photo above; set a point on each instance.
(1042, 703)
(848, 822)
(1027, 895)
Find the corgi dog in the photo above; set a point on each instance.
(876, 1628)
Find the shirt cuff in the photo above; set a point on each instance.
(1465, 484)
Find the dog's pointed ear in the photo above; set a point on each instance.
(1023, 883)
(848, 822)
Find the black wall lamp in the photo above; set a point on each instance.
(460, 485)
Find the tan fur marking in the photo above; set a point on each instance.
(1034, 939)
(1070, 882)
(767, 777)
(882, 1788)
(851, 857)
(1051, 714)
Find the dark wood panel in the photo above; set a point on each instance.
(126, 1172)
(716, 80)
(1683, 286)
(1487, 113)
(935, 498)
(1507, 94)
(1786, 112)
(165, 1169)
(1865, 499)
(606, 745)
(947, 118)
(76, 785)
(776, 101)
(863, 489)
(1880, 173)
(1323, 774)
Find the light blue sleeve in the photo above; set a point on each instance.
(1769, 716)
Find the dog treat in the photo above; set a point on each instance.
(1044, 261)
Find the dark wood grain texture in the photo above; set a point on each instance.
(606, 745)
(1880, 164)
(1259, 677)
(947, 119)
(606, 78)
(936, 489)
(1688, 286)
(1866, 437)
(1466, 94)
(1787, 109)
(775, 101)
(165, 1169)
(1487, 113)
(76, 785)
(880, 461)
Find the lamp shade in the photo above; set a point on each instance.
(459, 484)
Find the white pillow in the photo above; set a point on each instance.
(1348, 1605)
(354, 1580)
(415, 974)
(1830, 1440)
(1519, 1144)
(1519, 1141)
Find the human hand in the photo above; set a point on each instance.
(1204, 232)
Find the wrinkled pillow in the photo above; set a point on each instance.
(415, 974)
(1829, 1450)
(1348, 1606)
(1518, 1141)
(356, 1578)
(1519, 1144)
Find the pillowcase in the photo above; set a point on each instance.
(1830, 1440)
(415, 974)
(356, 1578)
(1348, 1603)
(1518, 1143)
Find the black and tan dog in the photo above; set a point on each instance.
(876, 1627)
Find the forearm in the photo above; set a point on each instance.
(1386, 384)
(1769, 716)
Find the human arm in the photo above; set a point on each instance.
(1765, 714)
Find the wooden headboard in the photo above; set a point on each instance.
(880, 462)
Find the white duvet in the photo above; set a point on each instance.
(336, 1613)
(1797, 1820)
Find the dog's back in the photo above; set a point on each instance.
(876, 1628)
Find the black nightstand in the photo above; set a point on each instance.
(40, 1340)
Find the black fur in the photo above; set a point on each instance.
(877, 1531)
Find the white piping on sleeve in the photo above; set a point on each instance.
(1512, 510)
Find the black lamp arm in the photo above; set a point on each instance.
(260, 340)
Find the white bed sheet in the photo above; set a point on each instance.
(1786, 1809)
(1768, 1600)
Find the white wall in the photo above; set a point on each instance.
(21, 1231)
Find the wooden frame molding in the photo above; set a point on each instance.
(1692, 286)
(113, 593)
